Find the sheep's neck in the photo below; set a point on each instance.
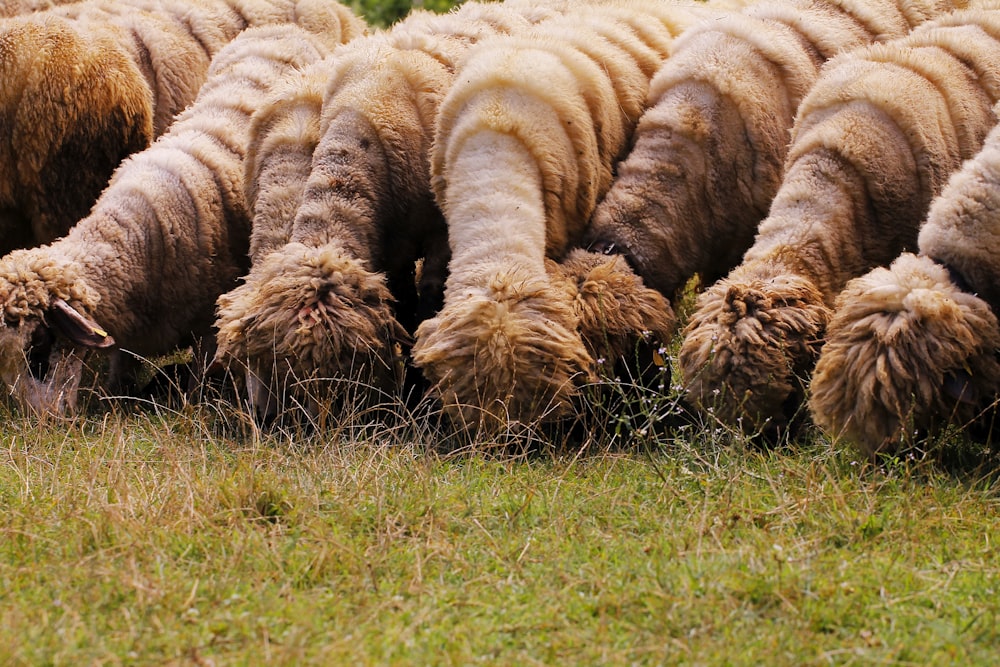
(962, 230)
(495, 209)
(348, 192)
(816, 224)
(284, 174)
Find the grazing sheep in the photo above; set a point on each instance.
(92, 82)
(165, 239)
(17, 7)
(336, 239)
(526, 141)
(620, 319)
(708, 153)
(874, 141)
(913, 347)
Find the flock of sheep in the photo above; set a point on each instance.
(504, 200)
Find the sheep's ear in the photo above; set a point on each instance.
(74, 325)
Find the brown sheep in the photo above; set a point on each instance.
(165, 239)
(913, 347)
(874, 141)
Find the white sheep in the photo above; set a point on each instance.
(168, 235)
(525, 146)
(708, 152)
(332, 288)
(17, 7)
(874, 141)
(913, 347)
(92, 82)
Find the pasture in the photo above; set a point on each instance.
(141, 534)
(177, 532)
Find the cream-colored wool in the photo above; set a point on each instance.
(17, 7)
(709, 150)
(84, 85)
(165, 239)
(332, 287)
(526, 141)
(615, 309)
(874, 141)
(913, 348)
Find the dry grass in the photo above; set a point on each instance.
(145, 536)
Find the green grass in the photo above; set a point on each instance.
(137, 537)
(146, 538)
(386, 12)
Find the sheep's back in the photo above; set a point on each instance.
(554, 89)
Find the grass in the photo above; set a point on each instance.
(148, 537)
(186, 537)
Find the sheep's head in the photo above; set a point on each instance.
(507, 351)
(306, 315)
(616, 311)
(752, 339)
(907, 351)
(44, 333)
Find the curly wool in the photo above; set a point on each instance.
(748, 345)
(29, 283)
(906, 347)
(342, 315)
(616, 311)
(513, 347)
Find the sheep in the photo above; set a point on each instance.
(17, 7)
(168, 235)
(92, 82)
(913, 347)
(45, 137)
(708, 152)
(873, 142)
(331, 292)
(525, 145)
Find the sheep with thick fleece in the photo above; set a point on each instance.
(17, 7)
(708, 152)
(331, 292)
(71, 108)
(913, 347)
(92, 82)
(525, 146)
(164, 240)
(874, 141)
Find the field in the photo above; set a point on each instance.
(142, 535)
(179, 533)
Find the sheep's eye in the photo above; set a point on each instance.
(39, 352)
(603, 247)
